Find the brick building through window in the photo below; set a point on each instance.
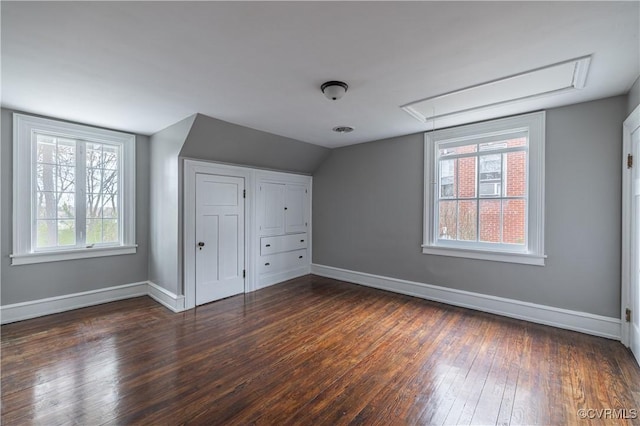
(483, 192)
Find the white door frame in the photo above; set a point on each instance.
(629, 126)
(191, 168)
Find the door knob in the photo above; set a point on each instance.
(200, 245)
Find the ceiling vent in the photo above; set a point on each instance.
(343, 129)
(561, 77)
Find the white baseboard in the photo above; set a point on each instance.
(272, 279)
(165, 297)
(52, 305)
(562, 318)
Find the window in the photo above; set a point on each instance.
(73, 191)
(484, 190)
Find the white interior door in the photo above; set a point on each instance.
(295, 217)
(634, 282)
(219, 237)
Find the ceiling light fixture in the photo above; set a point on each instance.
(343, 129)
(334, 90)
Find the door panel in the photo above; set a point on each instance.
(295, 208)
(208, 271)
(229, 239)
(272, 204)
(634, 291)
(219, 237)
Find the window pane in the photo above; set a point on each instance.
(94, 206)
(94, 181)
(46, 177)
(46, 149)
(66, 233)
(66, 153)
(110, 181)
(507, 143)
(514, 218)
(46, 233)
(490, 221)
(490, 175)
(94, 231)
(467, 177)
(488, 146)
(448, 178)
(66, 205)
(66, 179)
(94, 155)
(102, 201)
(47, 205)
(465, 149)
(517, 142)
(110, 206)
(516, 173)
(467, 227)
(110, 230)
(110, 159)
(448, 219)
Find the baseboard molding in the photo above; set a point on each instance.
(68, 302)
(165, 297)
(273, 279)
(562, 318)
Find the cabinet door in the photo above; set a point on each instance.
(295, 205)
(271, 208)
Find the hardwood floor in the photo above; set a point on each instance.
(309, 351)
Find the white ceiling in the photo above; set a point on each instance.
(141, 66)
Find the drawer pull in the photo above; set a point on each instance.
(267, 264)
(302, 241)
(299, 257)
(267, 245)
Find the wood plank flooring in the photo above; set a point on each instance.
(312, 351)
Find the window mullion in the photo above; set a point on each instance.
(34, 192)
(456, 173)
(478, 197)
(502, 184)
(81, 194)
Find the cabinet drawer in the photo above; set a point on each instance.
(280, 262)
(282, 243)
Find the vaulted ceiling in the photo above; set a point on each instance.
(142, 66)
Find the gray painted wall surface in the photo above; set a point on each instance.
(164, 219)
(633, 98)
(217, 140)
(368, 202)
(42, 280)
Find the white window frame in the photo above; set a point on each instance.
(533, 252)
(24, 129)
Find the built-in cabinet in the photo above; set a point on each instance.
(284, 229)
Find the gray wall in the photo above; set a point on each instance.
(368, 202)
(164, 219)
(37, 281)
(217, 140)
(633, 99)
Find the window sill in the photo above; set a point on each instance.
(55, 256)
(522, 258)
